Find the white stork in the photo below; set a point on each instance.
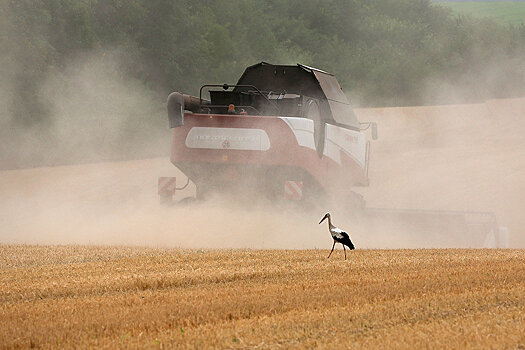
(338, 235)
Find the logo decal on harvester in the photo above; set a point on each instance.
(228, 138)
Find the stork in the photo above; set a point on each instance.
(338, 235)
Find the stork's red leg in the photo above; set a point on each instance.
(344, 250)
(331, 250)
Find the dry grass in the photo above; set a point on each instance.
(136, 297)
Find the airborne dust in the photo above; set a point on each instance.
(460, 157)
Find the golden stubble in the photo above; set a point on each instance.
(79, 296)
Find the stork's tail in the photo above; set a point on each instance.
(349, 244)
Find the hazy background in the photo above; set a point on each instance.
(85, 82)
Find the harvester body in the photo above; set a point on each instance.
(281, 131)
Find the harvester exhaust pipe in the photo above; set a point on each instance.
(177, 103)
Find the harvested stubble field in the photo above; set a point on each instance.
(79, 296)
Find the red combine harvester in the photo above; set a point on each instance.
(288, 132)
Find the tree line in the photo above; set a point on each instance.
(383, 52)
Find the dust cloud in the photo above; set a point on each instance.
(117, 203)
(455, 157)
(465, 168)
(463, 151)
(450, 157)
(94, 112)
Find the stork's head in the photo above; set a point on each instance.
(327, 215)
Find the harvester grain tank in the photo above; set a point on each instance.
(286, 132)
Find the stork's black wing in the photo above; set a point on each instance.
(343, 238)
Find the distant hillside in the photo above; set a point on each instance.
(505, 12)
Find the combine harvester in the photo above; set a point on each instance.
(288, 132)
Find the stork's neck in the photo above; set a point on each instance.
(330, 223)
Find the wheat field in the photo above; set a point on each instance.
(123, 297)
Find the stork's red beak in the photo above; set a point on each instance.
(323, 219)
